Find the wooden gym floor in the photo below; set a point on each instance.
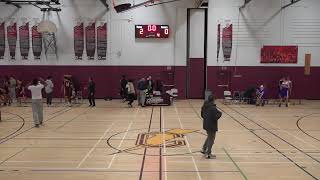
(112, 141)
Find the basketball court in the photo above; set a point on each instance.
(129, 80)
(112, 141)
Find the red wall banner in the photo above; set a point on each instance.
(24, 41)
(12, 39)
(227, 42)
(102, 41)
(36, 42)
(2, 40)
(279, 54)
(78, 35)
(91, 40)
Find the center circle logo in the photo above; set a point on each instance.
(171, 141)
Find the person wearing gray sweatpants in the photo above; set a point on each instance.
(37, 109)
(37, 106)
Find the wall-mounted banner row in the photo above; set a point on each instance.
(89, 37)
(19, 34)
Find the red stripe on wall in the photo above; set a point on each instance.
(107, 77)
(304, 87)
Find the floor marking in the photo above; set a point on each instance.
(160, 147)
(276, 135)
(91, 150)
(74, 118)
(145, 148)
(188, 144)
(266, 142)
(12, 156)
(243, 162)
(124, 136)
(242, 173)
(43, 161)
(106, 170)
(282, 130)
(164, 147)
(30, 128)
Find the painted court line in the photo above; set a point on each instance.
(164, 145)
(187, 142)
(43, 161)
(242, 173)
(106, 170)
(88, 154)
(124, 136)
(290, 134)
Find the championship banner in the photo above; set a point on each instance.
(227, 41)
(91, 40)
(218, 40)
(24, 40)
(12, 39)
(2, 39)
(36, 41)
(102, 41)
(78, 35)
(279, 54)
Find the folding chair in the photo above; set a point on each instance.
(227, 97)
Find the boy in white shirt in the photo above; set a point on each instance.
(37, 107)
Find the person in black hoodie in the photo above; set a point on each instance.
(210, 116)
(123, 88)
(91, 92)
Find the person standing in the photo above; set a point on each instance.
(210, 116)
(91, 91)
(123, 89)
(49, 90)
(131, 92)
(37, 107)
(21, 95)
(142, 91)
(67, 89)
(12, 89)
(284, 92)
(150, 85)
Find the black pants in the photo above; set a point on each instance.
(91, 99)
(207, 146)
(49, 98)
(123, 93)
(130, 98)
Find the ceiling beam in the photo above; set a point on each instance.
(104, 3)
(9, 2)
(50, 4)
(245, 3)
(165, 2)
(292, 2)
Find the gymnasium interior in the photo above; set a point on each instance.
(258, 59)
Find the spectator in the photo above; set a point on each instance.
(49, 90)
(91, 92)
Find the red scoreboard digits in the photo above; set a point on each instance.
(152, 31)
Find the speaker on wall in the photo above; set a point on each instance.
(307, 62)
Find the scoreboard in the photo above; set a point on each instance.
(151, 31)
